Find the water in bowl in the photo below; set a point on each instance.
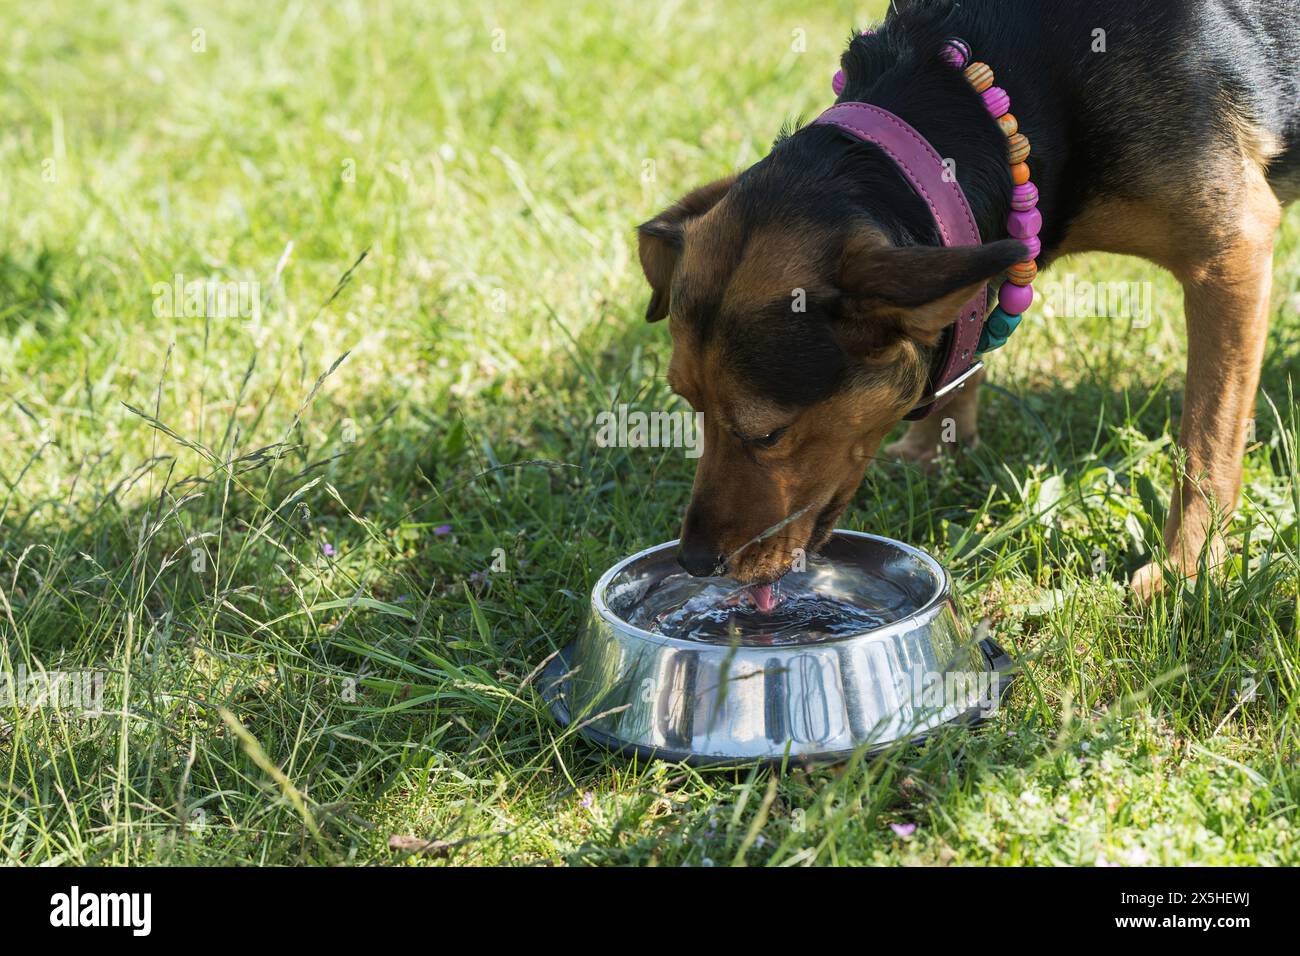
(808, 609)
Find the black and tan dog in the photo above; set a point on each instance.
(1180, 143)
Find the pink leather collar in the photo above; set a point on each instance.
(924, 169)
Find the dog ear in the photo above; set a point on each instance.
(662, 237)
(919, 290)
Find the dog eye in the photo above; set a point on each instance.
(770, 439)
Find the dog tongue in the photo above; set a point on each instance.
(763, 596)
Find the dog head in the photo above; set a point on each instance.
(804, 331)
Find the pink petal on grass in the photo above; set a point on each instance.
(903, 830)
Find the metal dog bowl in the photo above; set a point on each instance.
(814, 692)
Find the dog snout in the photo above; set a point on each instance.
(700, 550)
(702, 560)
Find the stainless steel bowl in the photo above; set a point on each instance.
(810, 697)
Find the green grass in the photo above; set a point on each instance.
(242, 525)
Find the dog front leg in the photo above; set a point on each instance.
(1227, 307)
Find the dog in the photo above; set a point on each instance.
(1175, 138)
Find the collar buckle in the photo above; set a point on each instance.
(939, 397)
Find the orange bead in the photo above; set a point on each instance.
(980, 76)
(1020, 174)
(1010, 125)
(1017, 149)
(1023, 273)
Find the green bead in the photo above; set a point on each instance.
(1000, 325)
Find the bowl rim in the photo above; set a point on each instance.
(932, 607)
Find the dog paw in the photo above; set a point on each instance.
(1148, 582)
(1156, 577)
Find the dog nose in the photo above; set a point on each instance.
(700, 561)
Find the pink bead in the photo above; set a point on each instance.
(1015, 299)
(1024, 198)
(956, 52)
(1035, 246)
(997, 101)
(837, 82)
(1022, 225)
